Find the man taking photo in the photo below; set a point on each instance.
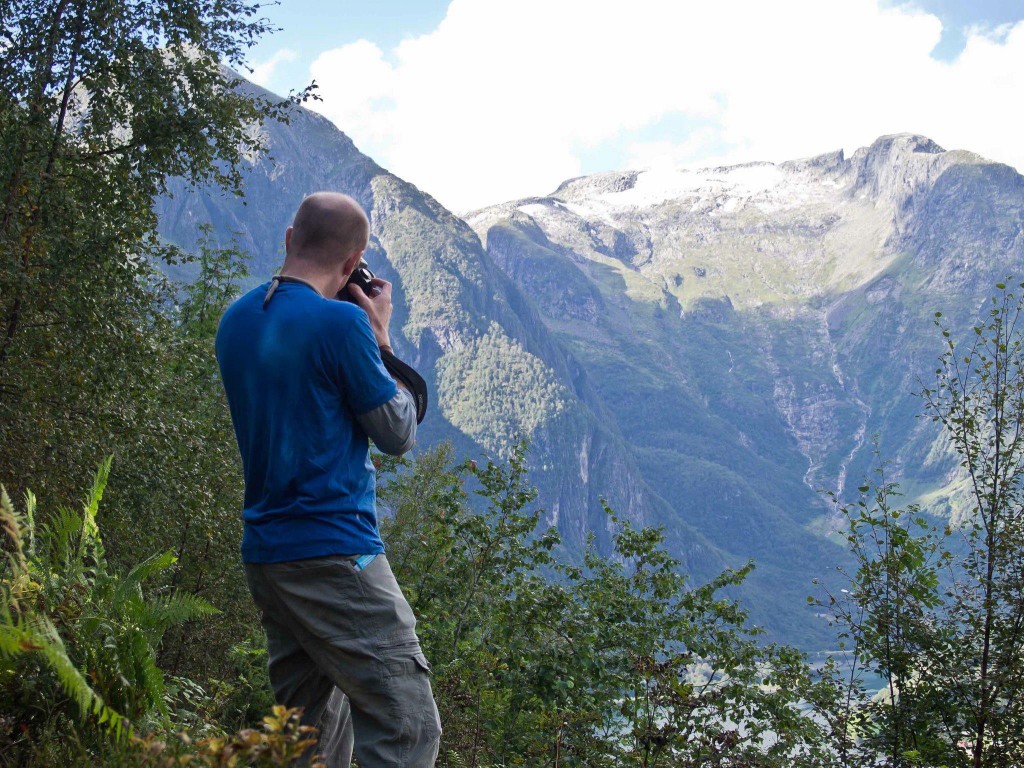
(307, 390)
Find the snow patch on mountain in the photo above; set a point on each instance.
(760, 233)
(765, 187)
(656, 186)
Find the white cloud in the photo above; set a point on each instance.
(263, 71)
(500, 100)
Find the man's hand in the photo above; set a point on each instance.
(377, 307)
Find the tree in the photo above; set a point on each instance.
(940, 614)
(979, 401)
(889, 614)
(100, 102)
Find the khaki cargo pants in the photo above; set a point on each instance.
(342, 644)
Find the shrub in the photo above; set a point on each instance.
(78, 640)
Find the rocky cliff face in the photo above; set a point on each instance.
(705, 349)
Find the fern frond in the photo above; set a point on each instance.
(150, 675)
(95, 494)
(30, 519)
(59, 536)
(8, 516)
(91, 543)
(11, 525)
(126, 594)
(39, 635)
(11, 639)
(175, 608)
(151, 566)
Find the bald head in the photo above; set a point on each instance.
(328, 227)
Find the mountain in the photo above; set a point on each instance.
(759, 329)
(705, 349)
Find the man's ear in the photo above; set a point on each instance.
(287, 239)
(353, 261)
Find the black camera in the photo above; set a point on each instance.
(401, 371)
(361, 276)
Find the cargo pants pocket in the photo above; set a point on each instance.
(407, 681)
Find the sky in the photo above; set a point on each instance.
(482, 101)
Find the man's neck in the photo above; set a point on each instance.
(285, 277)
(324, 284)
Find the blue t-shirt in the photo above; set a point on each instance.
(295, 373)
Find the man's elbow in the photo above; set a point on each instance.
(392, 426)
(396, 445)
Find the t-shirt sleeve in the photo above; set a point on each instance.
(354, 358)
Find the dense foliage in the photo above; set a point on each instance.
(100, 103)
(77, 639)
(612, 662)
(539, 660)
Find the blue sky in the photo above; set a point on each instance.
(312, 26)
(482, 100)
(959, 15)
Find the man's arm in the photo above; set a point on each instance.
(391, 426)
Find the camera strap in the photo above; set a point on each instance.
(276, 280)
(405, 373)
